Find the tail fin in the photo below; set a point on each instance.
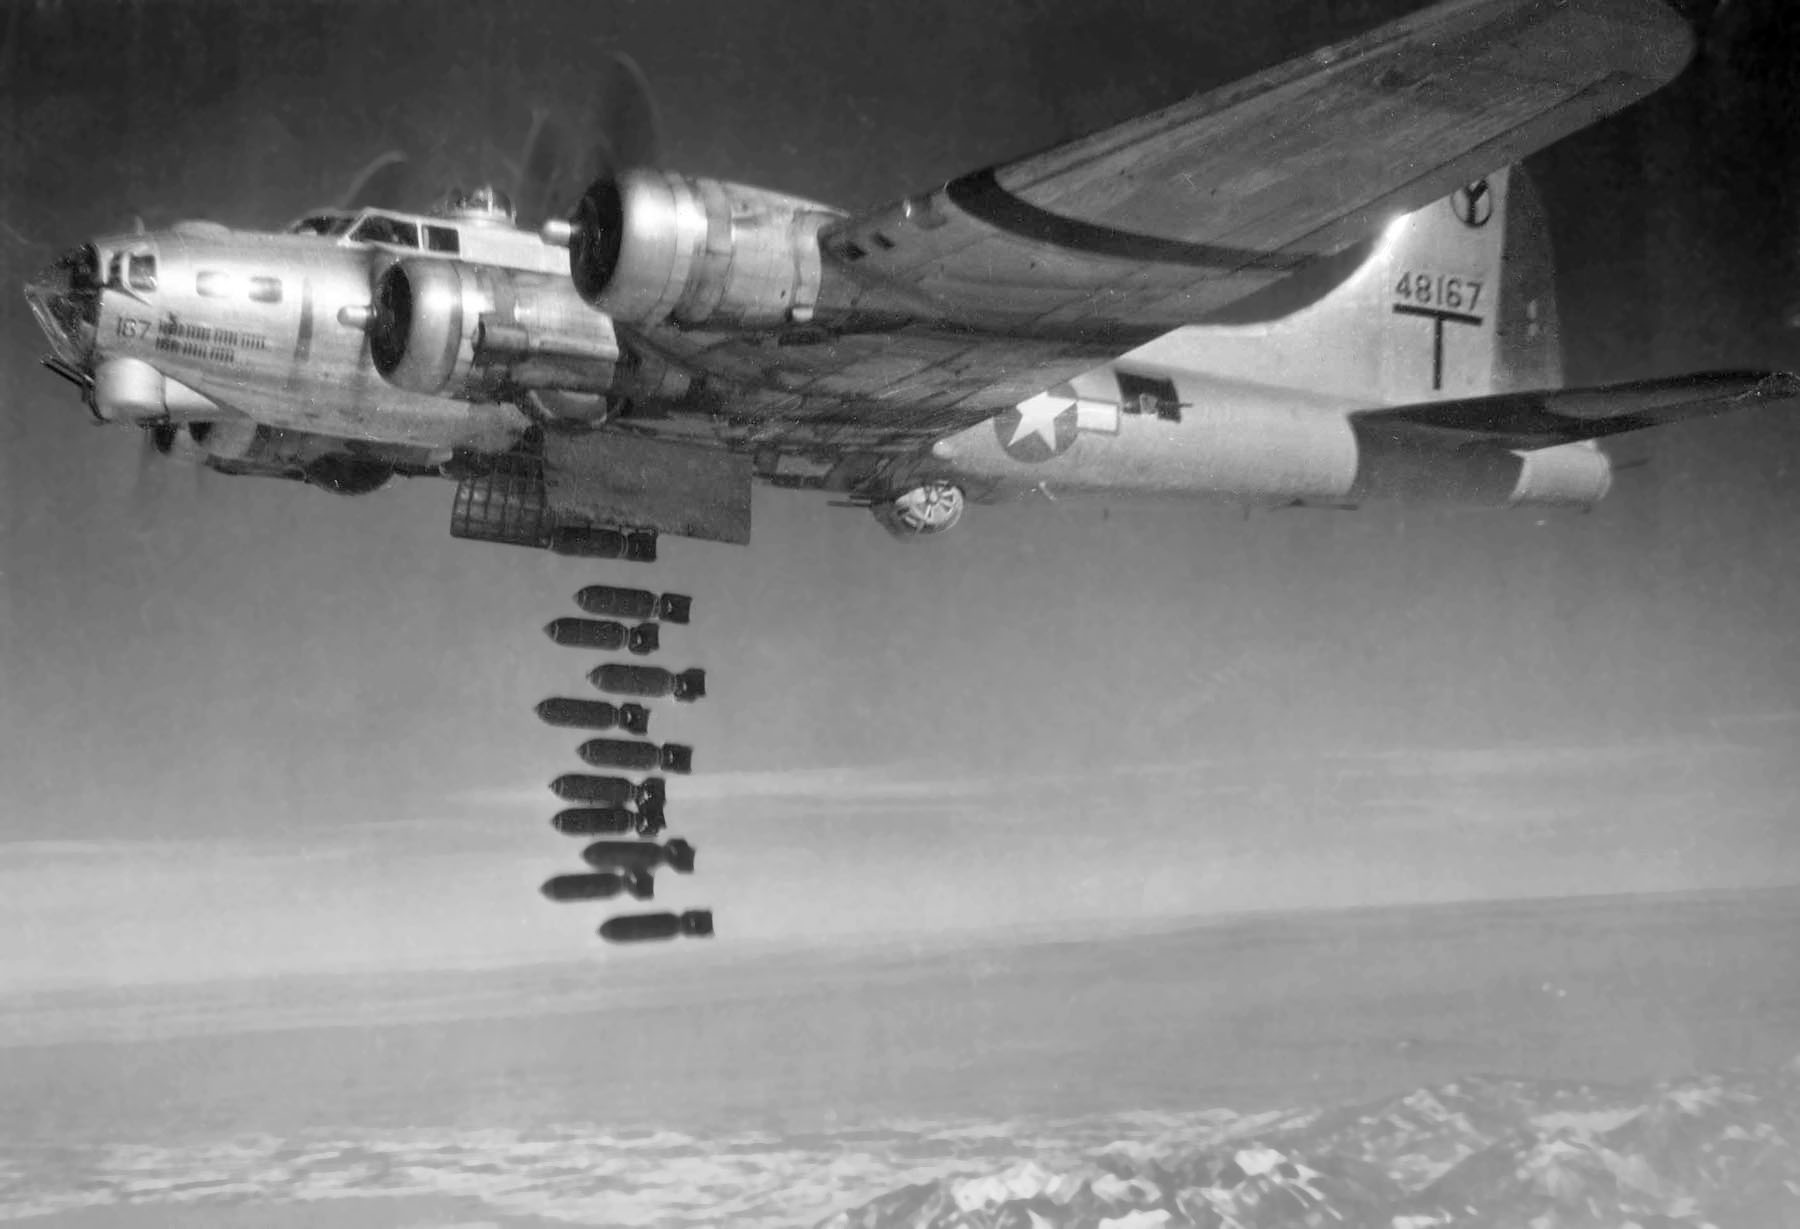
(1456, 300)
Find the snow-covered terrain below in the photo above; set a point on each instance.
(1720, 1150)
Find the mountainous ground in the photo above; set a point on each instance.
(1716, 1150)
(1719, 1150)
(1288, 1070)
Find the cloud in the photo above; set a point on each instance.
(890, 784)
(120, 912)
(27, 850)
(876, 787)
(1779, 717)
(1520, 759)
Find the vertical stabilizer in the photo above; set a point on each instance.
(1453, 301)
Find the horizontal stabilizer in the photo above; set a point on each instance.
(1532, 420)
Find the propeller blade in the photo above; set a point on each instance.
(147, 486)
(565, 150)
(631, 127)
(386, 180)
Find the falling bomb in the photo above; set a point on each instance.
(610, 791)
(638, 927)
(636, 756)
(677, 855)
(650, 682)
(594, 715)
(642, 640)
(601, 885)
(611, 602)
(608, 821)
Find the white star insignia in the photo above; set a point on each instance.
(1038, 416)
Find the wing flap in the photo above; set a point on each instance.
(1532, 420)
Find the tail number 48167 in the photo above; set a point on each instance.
(1438, 290)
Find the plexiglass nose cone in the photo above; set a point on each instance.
(65, 298)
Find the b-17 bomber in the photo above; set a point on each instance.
(1175, 307)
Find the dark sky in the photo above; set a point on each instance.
(249, 728)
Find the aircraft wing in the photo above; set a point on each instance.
(1163, 220)
(1532, 420)
(959, 303)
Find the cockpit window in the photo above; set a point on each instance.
(115, 272)
(392, 231)
(143, 272)
(443, 239)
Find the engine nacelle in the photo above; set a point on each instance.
(652, 246)
(451, 329)
(923, 511)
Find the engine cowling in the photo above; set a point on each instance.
(926, 510)
(451, 329)
(652, 246)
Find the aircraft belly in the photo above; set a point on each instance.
(379, 413)
(1247, 443)
(1229, 449)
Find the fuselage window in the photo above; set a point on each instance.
(143, 273)
(443, 239)
(265, 290)
(213, 284)
(392, 231)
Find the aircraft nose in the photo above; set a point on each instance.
(65, 298)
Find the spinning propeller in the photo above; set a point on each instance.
(564, 151)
